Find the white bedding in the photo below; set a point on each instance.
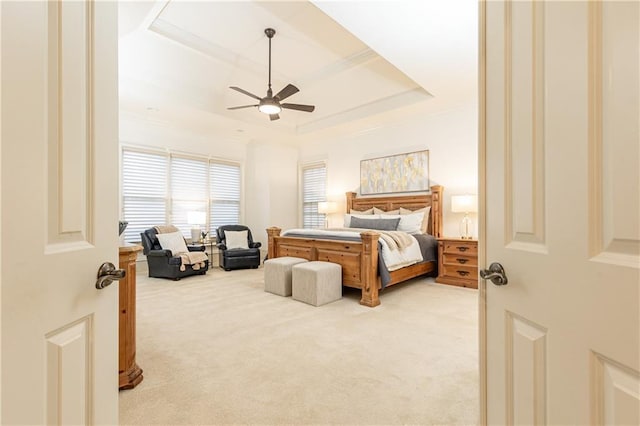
(394, 259)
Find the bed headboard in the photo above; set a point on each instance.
(411, 202)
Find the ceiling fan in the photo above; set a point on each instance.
(271, 104)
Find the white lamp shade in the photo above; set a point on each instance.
(464, 203)
(196, 218)
(326, 207)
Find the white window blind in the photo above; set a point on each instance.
(224, 195)
(144, 191)
(161, 189)
(314, 189)
(189, 189)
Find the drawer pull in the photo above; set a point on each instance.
(462, 248)
(463, 273)
(461, 260)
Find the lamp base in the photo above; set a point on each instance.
(195, 235)
(466, 228)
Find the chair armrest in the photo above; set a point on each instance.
(160, 253)
(221, 246)
(196, 248)
(255, 245)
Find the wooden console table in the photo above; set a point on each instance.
(130, 374)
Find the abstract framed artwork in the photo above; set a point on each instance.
(396, 173)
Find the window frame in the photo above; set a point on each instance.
(301, 192)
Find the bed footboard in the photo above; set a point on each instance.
(359, 259)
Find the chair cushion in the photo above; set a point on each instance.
(236, 240)
(173, 241)
(242, 252)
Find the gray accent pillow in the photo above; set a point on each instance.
(379, 224)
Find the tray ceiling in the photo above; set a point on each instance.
(177, 58)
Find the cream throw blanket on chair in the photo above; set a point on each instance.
(194, 258)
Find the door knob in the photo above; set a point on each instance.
(107, 273)
(495, 273)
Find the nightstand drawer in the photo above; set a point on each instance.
(460, 271)
(469, 248)
(459, 259)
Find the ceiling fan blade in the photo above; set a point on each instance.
(245, 92)
(289, 90)
(243, 106)
(298, 107)
(274, 117)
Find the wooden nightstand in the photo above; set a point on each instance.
(458, 262)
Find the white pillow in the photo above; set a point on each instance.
(173, 241)
(425, 219)
(380, 211)
(368, 211)
(409, 223)
(236, 239)
(347, 218)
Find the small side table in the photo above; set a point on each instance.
(458, 262)
(211, 244)
(206, 243)
(130, 374)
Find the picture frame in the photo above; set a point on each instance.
(408, 172)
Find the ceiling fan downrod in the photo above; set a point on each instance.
(270, 32)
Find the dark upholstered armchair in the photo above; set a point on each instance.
(162, 263)
(237, 258)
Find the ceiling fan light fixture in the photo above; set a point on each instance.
(269, 108)
(270, 104)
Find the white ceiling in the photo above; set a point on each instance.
(178, 59)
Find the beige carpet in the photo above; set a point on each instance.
(219, 350)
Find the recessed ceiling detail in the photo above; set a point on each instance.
(193, 51)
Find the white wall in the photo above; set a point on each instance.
(271, 189)
(451, 138)
(164, 135)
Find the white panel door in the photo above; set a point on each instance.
(59, 165)
(560, 161)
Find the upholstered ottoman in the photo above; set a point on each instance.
(277, 274)
(317, 283)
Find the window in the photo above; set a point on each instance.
(314, 189)
(144, 191)
(224, 195)
(188, 192)
(159, 188)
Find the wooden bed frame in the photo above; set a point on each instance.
(359, 260)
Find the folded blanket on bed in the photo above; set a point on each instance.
(396, 240)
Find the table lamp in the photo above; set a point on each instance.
(465, 204)
(195, 219)
(326, 208)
